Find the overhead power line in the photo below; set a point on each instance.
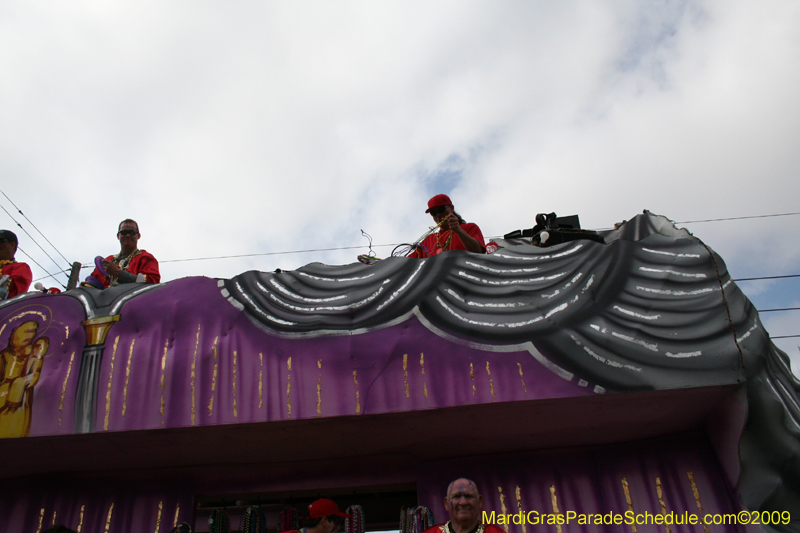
(88, 264)
(49, 275)
(783, 309)
(768, 277)
(274, 253)
(34, 226)
(736, 218)
(713, 220)
(32, 239)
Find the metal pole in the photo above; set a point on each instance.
(74, 276)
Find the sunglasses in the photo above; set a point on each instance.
(438, 210)
(128, 232)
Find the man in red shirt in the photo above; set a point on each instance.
(324, 516)
(464, 505)
(130, 265)
(19, 274)
(454, 232)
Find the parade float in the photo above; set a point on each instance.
(626, 375)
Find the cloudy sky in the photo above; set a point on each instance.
(255, 128)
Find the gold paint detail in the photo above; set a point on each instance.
(289, 388)
(261, 381)
(41, 520)
(127, 378)
(319, 397)
(235, 411)
(158, 516)
(491, 383)
(358, 398)
(194, 365)
(110, 378)
(164, 362)
(503, 507)
(22, 314)
(521, 377)
(422, 366)
(66, 333)
(54, 518)
(405, 372)
(108, 517)
(213, 377)
(472, 377)
(289, 396)
(64, 388)
(163, 375)
(319, 389)
(97, 329)
(660, 493)
(177, 511)
(696, 497)
(80, 519)
(554, 500)
(627, 492)
(518, 494)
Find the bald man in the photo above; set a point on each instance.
(464, 504)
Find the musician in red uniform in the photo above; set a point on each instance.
(464, 505)
(19, 274)
(130, 265)
(454, 233)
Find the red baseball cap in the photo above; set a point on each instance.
(324, 507)
(438, 201)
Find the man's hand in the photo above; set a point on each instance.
(111, 267)
(451, 222)
(470, 243)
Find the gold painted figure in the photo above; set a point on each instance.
(20, 368)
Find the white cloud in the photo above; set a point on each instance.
(255, 127)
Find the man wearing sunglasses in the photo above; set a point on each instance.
(454, 232)
(15, 278)
(130, 265)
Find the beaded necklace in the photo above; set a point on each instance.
(405, 519)
(5, 262)
(449, 527)
(254, 520)
(289, 519)
(423, 519)
(415, 519)
(219, 521)
(446, 243)
(354, 524)
(122, 263)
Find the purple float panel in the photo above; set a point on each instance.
(86, 506)
(675, 475)
(654, 309)
(203, 362)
